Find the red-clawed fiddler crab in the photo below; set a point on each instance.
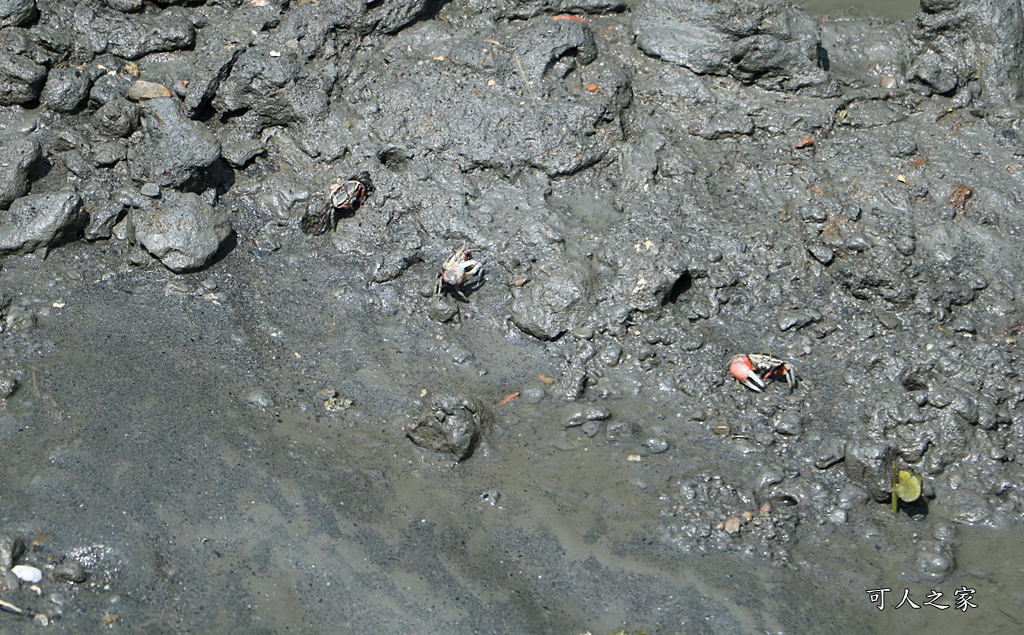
(460, 269)
(755, 370)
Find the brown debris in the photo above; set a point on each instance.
(958, 199)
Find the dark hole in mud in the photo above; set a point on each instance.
(39, 169)
(228, 115)
(220, 176)
(913, 382)
(679, 287)
(785, 501)
(822, 61)
(205, 113)
(394, 158)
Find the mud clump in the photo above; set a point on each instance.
(455, 427)
(181, 230)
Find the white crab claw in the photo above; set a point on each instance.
(753, 382)
(743, 370)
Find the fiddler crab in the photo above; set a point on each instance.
(460, 269)
(345, 197)
(755, 370)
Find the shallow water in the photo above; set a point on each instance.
(895, 9)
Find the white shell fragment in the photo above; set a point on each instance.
(26, 573)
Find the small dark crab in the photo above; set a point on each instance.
(345, 198)
(755, 370)
(460, 269)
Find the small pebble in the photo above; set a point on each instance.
(732, 525)
(583, 332)
(532, 394)
(851, 496)
(259, 398)
(656, 445)
(619, 431)
(588, 413)
(177, 286)
(934, 565)
(822, 254)
(152, 190)
(27, 573)
(789, 424)
(142, 89)
(70, 570)
(860, 242)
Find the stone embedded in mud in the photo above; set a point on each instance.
(277, 90)
(241, 151)
(934, 560)
(773, 46)
(11, 548)
(554, 48)
(16, 12)
(21, 79)
(963, 40)
(41, 221)
(213, 64)
(110, 87)
(181, 230)
(554, 303)
(8, 382)
(104, 214)
(282, 196)
(108, 154)
(442, 308)
(177, 149)
(141, 89)
(932, 69)
(124, 6)
(70, 570)
(797, 318)
(19, 153)
(390, 17)
(66, 89)
(131, 37)
(646, 274)
(869, 464)
(454, 427)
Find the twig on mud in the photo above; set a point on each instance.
(519, 66)
(507, 399)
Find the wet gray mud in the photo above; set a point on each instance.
(214, 421)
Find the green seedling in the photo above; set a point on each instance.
(906, 487)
